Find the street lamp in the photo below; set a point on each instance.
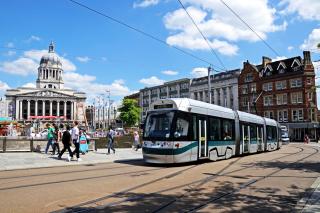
(209, 84)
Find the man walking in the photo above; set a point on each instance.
(110, 138)
(75, 140)
(50, 137)
(66, 140)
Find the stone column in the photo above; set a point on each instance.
(50, 108)
(43, 108)
(36, 108)
(28, 110)
(178, 90)
(17, 109)
(58, 108)
(228, 97)
(215, 96)
(72, 111)
(20, 108)
(167, 91)
(65, 109)
(75, 110)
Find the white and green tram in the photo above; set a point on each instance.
(182, 130)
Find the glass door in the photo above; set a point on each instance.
(203, 144)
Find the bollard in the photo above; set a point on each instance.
(31, 144)
(4, 144)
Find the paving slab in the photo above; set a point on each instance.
(26, 160)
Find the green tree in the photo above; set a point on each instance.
(130, 112)
(318, 45)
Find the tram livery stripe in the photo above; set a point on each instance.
(177, 151)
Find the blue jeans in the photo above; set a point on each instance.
(49, 144)
(111, 146)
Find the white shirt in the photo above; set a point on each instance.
(75, 133)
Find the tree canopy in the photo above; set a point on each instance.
(130, 112)
(318, 45)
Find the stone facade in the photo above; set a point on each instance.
(49, 100)
(224, 89)
(172, 89)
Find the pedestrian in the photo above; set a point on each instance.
(75, 140)
(49, 137)
(66, 141)
(110, 138)
(136, 142)
(57, 138)
(306, 139)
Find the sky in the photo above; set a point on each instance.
(99, 54)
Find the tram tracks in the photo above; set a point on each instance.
(171, 202)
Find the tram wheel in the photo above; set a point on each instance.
(213, 155)
(228, 153)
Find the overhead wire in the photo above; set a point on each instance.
(244, 22)
(206, 40)
(144, 33)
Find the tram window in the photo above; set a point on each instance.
(227, 130)
(271, 133)
(182, 127)
(253, 132)
(215, 129)
(158, 125)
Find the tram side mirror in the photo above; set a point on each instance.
(177, 135)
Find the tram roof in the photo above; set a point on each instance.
(248, 117)
(194, 106)
(271, 122)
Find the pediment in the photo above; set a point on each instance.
(46, 93)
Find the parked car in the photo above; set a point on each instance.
(43, 134)
(285, 137)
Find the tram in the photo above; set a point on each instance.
(183, 130)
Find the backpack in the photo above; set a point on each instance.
(83, 139)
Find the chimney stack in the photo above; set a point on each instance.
(265, 61)
(306, 57)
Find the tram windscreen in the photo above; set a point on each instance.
(158, 125)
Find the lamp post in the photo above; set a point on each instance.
(209, 85)
(108, 93)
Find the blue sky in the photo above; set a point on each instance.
(101, 55)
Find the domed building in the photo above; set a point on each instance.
(49, 101)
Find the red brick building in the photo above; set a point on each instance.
(283, 90)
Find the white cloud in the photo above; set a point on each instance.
(11, 53)
(3, 87)
(104, 58)
(290, 48)
(152, 81)
(86, 83)
(21, 66)
(33, 38)
(29, 85)
(10, 45)
(170, 72)
(219, 25)
(199, 72)
(312, 41)
(279, 58)
(306, 9)
(145, 3)
(83, 59)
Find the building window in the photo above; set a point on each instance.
(249, 78)
(281, 85)
(297, 115)
(283, 116)
(245, 89)
(267, 100)
(310, 95)
(253, 87)
(267, 86)
(282, 99)
(268, 114)
(312, 115)
(244, 101)
(296, 98)
(296, 83)
(195, 96)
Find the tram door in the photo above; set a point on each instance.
(203, 144)
(245, 138)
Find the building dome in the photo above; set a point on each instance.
(51, 59)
